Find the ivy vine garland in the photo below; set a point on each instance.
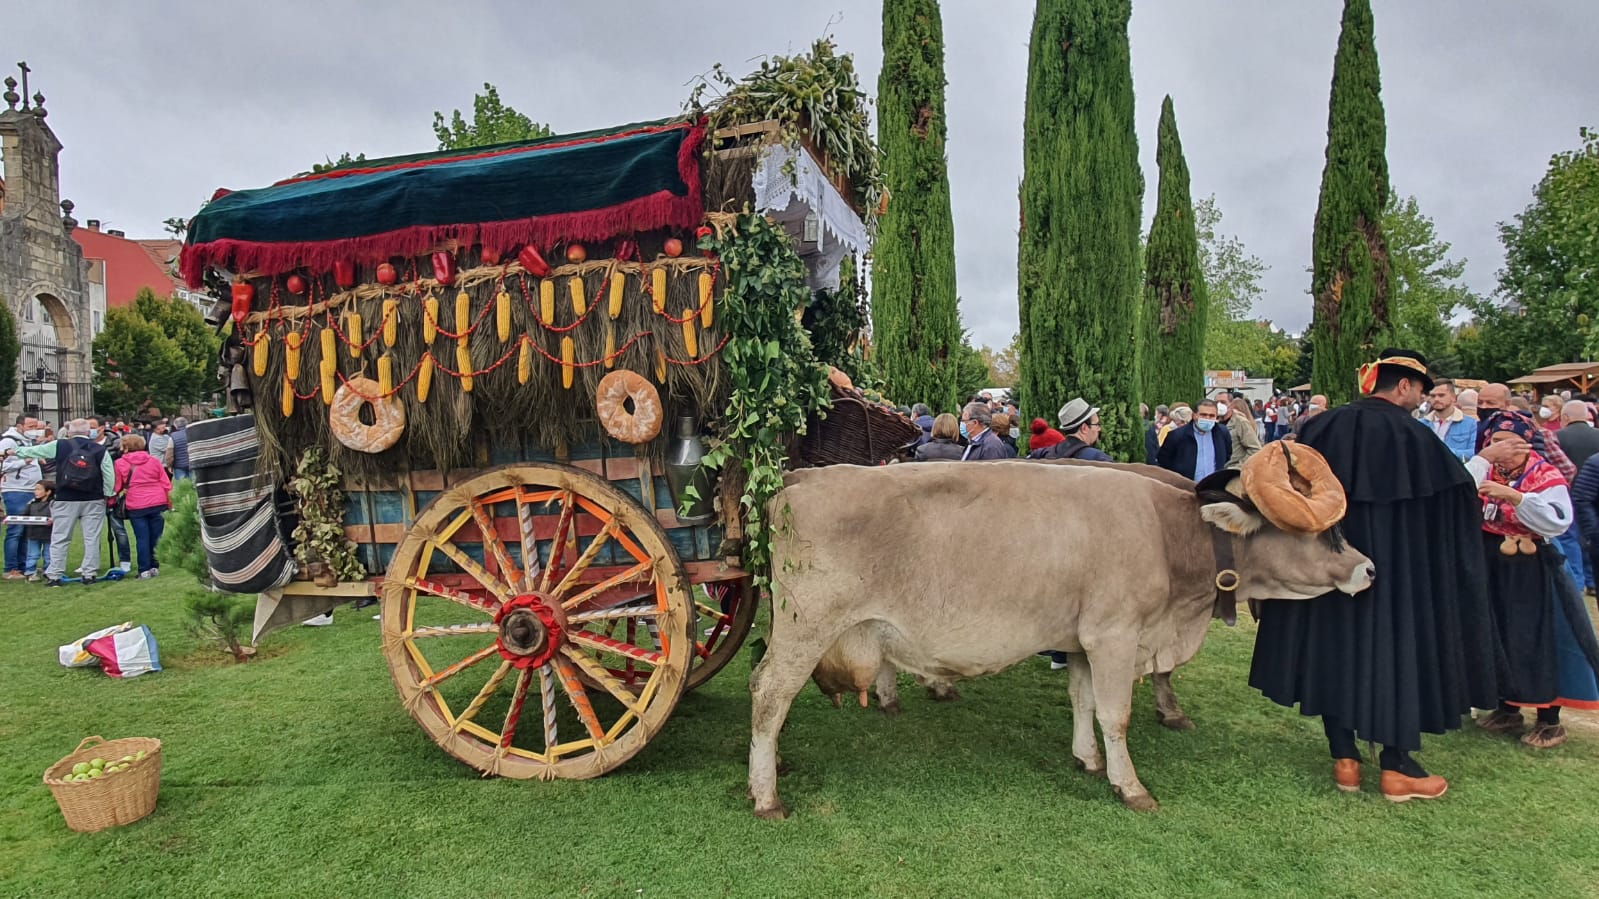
(777, 383)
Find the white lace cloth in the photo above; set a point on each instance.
(842, 232)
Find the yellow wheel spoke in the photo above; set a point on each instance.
(482, 696)
(603, 676)
(476, 572)
(622, 611)
(608, 583)
(530, 545)
(455, 630)
(587, 559)
(514, 714)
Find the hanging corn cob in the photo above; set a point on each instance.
(430, 319)
(329, 369)
(330, 347)
(502, 315)
(291, 357)
(424, 378)
(463, 363)
(524, 360)
(575, 287)
(391, 321)
(547, 301)
(263, 342)
(707, 302)
(618, 288)
(288, 397)
(690, 338)
(352, 330)
(610, 345)
(568, 357)
(385, 374)
(658, 288)
(660, 365)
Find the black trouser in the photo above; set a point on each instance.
(1549, 715)
(1341, 742)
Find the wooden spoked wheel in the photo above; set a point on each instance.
(512, 606)
(725, 611)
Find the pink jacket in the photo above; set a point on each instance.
(144, 478)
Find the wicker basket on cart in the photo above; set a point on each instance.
(856, 431)
(113, 800)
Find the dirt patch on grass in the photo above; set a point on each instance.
(215, 657)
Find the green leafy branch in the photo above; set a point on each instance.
(777, 383)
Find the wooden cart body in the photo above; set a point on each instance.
(569, 545)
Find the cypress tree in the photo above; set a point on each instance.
(1079, 265)
(1174, 314)
(1350, 280)
(915, 320)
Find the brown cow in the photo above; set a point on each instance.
(1119, 570)
(851, 668)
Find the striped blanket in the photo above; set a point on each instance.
(239, 515)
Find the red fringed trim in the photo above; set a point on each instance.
(662, 209)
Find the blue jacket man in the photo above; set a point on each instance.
(1446, 419)
(1198, 449)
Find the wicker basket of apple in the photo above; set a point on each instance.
(106, 783)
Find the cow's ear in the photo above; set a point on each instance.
(1232, 518)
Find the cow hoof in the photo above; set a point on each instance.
(943, 694)
(1097, 770)
(1138, 802)
(783, 767)
(1177, 722)
(889, 708)
(776, 813)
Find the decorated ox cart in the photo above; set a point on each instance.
(516, 358)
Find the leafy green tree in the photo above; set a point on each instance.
(1427, 291)
(970, 371)
(1232, 273)
(1548, 305)
(154, 352)
(1176, 307)
(492, 123)
(1004, 365)
(10, 352)
(1351, 281)
(914, 316)
(1079, 262)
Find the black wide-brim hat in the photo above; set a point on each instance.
(1409, 362)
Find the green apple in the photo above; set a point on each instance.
(80, 767)
(139, 756)
(97, 763)
(126, 758)
(96, 772)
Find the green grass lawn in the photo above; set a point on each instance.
(299, 774)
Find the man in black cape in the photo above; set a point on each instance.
(1416, 651)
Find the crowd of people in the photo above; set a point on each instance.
(1479, 509)
(94, 476)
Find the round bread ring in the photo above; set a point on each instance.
(610, 399)
(344, 416)
(1294, 487)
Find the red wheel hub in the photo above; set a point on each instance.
(532, 629)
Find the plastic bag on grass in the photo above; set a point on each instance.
(123, 650)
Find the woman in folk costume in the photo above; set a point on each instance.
(1544, 628)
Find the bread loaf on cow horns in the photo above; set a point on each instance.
(1294, 487)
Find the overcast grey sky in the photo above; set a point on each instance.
(158, 104)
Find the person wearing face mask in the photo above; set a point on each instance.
(981, 443)
(1498, 398)
(1233, 411)
(21, 475)
(1417, 650)
(1544, 628)
(1197, 449)
(1549, 412)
